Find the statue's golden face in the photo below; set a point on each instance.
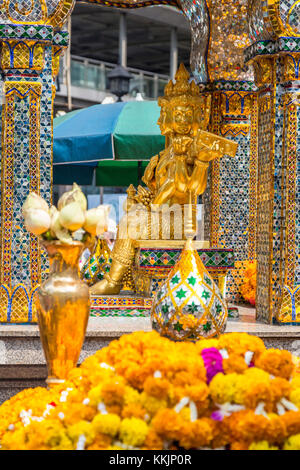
(183, 118)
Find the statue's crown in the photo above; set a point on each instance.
(182, 88)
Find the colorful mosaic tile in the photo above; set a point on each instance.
(26, 31)
(215, 258)
(120, 313)
(26, 166)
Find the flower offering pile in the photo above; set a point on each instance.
(69, 222)
(146, 392)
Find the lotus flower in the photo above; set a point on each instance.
(96, 221)
(75, 195)
(37, 221)
(56, 229)
(34, 201)
(72, 217)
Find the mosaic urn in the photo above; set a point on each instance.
(63, 306)
(188, 305)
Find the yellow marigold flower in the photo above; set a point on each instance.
(81, 428)
(95, 395)
(14, 440)
(131, 396)
(225, 388)
(185, 414)
(106, 424)
(254, 374)
(295, 397)
(207, 343)
(133, 431)
(292, 443)
(276, 362)
(152, 404)
(295, 382)
(262, 445)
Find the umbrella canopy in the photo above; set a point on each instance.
(119, 131)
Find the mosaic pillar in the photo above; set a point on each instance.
(29, 64)
(276, 65)
(230, 202)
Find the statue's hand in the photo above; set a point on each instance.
(181, 144)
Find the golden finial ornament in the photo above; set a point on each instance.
(188, 305)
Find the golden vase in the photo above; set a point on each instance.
(63, 306)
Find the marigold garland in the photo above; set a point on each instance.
(146, 392)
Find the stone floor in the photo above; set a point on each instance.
(22, 362)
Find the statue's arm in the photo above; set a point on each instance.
(149, 174)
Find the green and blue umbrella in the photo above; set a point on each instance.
(115, 139)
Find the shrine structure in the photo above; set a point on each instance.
(246, 55)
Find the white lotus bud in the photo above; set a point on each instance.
(37, 221)
(34, 201)
(96, 220)
(75, 195)
(56, 229)
(72, 217)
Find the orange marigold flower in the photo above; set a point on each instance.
(248, 426)
(239, 445)
(221, 433)
(280, 388)
(134, 410)
(101, 442)
(169, 424)
(74, 412)
(276, 362)
(256, 393)
(153, 441)
(240, 343)
(156, 387)
(291, 420)
(276, 429)
(114, 409)
(113, 393)
(234, 363)
(200, 434)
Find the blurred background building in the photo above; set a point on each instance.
(149, 42)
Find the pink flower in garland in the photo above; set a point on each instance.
(213, 362)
